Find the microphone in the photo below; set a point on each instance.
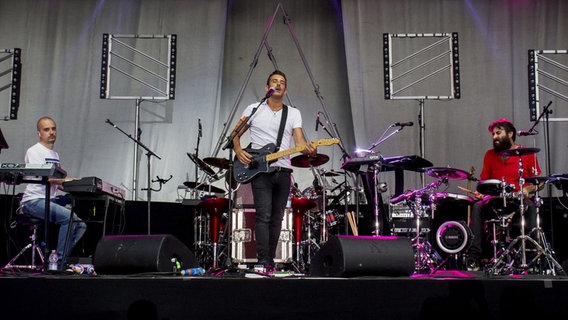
(317, 121)
(200, 134)
(526, 133)
(109, 122)
(404, 124)
(269, 93)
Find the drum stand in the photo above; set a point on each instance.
(426, 258)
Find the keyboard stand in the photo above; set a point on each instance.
(90, 197)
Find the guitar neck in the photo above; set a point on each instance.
(279, 154)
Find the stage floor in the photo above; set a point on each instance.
(446, 294)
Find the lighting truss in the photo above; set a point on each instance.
(410, 59)
(138, 67)
(10, 78)
(547, 75)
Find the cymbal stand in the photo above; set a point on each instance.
(549, 265)
(324, 229)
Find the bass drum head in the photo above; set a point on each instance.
(453, 236)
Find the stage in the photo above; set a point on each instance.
(239, 294)
(444, 295)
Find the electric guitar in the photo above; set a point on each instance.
(264, 156)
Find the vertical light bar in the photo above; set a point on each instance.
(105, 56)
(386, 65)
(16, 81)
(455, 65)
(533, 84)
(171, 86)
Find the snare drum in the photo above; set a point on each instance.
(455, 198)
(493, 187)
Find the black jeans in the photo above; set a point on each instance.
(494, 208)
(270, 192)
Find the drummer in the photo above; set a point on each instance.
(503, 168)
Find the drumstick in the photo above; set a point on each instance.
(465, 189)
(352, 223)
(350, 219)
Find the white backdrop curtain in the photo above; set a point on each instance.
(217, 40)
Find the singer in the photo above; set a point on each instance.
(497, 165)
(276, 123)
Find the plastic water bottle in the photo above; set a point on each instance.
(52, 261)
(192, 272)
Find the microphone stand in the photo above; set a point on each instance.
(149, 154)
(194, 191)
(376, 166)
(344, 183)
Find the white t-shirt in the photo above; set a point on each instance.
(39, 154)
(264, 126)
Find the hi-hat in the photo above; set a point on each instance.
(203, 187)
(202, 165)
(519, 151)
(306, 161)
(449, 173)
(221, 163)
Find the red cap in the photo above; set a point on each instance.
(496, 122)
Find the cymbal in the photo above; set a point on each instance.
(306, 161)
(203, 187)
(519, 151)
(221, 163)
(450, 173)
(202, 165)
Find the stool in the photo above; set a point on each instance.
(33, 224)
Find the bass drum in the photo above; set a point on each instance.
(453, 236)
(451, 233)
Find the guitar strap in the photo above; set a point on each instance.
(282, 125)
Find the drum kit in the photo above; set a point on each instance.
(312, 222)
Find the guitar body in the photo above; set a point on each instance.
(243, 174)
(264, 156)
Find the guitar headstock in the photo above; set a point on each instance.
(325, 142)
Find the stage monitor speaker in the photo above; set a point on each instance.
(351, 256)
(129, 254)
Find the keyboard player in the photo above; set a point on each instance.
(33, 200)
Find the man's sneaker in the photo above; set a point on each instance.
(472, 264)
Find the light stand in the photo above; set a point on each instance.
(399, 79)
(119, 58)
